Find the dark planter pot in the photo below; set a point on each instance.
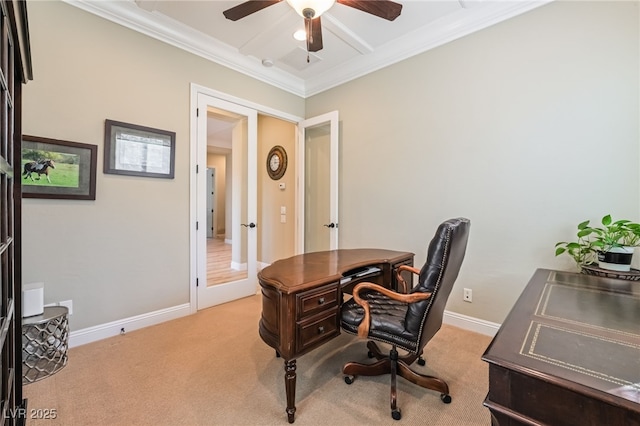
(616, 259)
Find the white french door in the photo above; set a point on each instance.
(234, 276)
(318, 191)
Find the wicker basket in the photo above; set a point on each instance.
(632, 275)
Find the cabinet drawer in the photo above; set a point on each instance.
(317, 330)
(318, 300)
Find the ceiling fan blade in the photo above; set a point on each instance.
(314, 34)
(247, 8)
(384, 9)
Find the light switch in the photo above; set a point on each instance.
(283, 210)
(283, 218)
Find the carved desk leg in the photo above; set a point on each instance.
(290, 387)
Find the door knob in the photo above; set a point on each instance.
(251, 225)
(331, 225)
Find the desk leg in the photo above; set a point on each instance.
(290, 386)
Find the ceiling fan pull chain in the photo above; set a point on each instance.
(308, 23)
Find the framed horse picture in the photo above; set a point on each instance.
(53, 168)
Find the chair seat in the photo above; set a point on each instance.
(387, 320)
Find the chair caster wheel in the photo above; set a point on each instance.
(348, 380)
(370, 354)
(396, 415)
(445, 398)
(421, 361)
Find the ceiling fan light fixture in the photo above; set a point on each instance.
(318, 7)
(300, 35)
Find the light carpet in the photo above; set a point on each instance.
(212, 368)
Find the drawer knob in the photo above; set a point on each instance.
(321, 301)
(320, 330)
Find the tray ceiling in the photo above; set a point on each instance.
(355, 43)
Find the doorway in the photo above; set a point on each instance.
(318, 195)
(240, 211)
(226, 263)
(222, 266)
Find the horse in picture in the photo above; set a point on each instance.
(40, 167)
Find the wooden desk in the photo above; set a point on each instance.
(568, 354)
(301, 298)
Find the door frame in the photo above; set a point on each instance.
(333, 119)
(194, 167)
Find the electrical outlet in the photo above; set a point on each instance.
(467, 296)
(68, 304)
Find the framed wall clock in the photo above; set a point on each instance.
(276, 162)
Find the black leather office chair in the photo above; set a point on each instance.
(407, 320)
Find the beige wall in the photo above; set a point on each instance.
(275, 239)
(127, 252)
(527, 128)
(519, 127)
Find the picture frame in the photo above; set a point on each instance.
(58, 169)
(134, 150)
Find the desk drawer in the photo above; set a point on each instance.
(318, 300)
(317, 330)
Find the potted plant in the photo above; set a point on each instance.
(611, 245)
(583, 251)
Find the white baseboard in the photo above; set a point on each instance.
(237, 266)
(103, 331)
(99, 332)
(487, 328)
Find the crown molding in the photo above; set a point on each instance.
(445, 30)
(158, 26)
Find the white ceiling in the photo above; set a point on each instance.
(355, 43)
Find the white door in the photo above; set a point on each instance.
(235, 275)
(318, 193)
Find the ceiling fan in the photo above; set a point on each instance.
(311, 10)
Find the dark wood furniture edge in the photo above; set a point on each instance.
(502, 372)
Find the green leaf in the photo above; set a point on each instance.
(606, 221)
(583, 224)
(621, 222)
(559, 251)
(573, 246)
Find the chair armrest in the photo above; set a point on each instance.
(363, 328)
(399, 277)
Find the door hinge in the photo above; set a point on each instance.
(197, 112)
(196, 226)
(197, 169)
(197, 283)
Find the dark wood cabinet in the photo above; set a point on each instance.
(15, 69)
(568, 354)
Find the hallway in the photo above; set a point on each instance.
(219, 263)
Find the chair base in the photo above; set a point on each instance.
(394, 364)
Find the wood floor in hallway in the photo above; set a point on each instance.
(219, 263)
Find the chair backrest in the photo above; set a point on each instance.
(439, 273)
